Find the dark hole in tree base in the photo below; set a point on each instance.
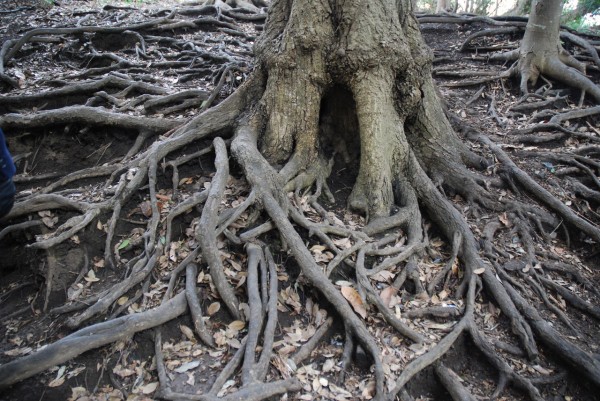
(339, 138)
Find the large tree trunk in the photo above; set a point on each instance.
(374, 52)
(348, 78)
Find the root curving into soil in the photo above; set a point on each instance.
(423, 249)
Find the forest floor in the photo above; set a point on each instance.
(198, 60)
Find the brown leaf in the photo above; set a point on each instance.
(386, 295)
(49, 221)
(328, 365)
(213, 308)
(423, 296)
(91, 277)
(149, 388)
(504, 219)
(343, 243)
(18, 351)
(542, 370)
(317, 248)
(235, 265)
(146, 208)
(455, 267)
(164, 198)
(383, 276)
(57, 382)
(60, 378)
(355, 300)
(187, 332)
(186, 181)
(123, 372)
(187, 366)
(78, 392)
(237, 325)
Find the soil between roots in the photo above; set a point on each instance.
(67, 152)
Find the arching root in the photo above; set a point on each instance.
(263, 288)
(402, 297)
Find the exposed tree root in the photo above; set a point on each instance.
(540, 53)
(361, 272)
(88, 116)
(89, 338)
(451, 382)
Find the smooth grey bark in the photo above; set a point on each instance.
(542, 53)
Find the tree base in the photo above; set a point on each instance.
(405, 299)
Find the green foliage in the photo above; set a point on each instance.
(581, 15)
(481, 7)
(426, 5)
(46, 3)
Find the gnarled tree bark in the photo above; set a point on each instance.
(332, 71)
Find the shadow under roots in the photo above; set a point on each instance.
(465, 360)
(339, 138)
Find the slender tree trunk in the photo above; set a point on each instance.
(541, 41)
(542, 53)
(520, 8)
(442, 6)
(583, 7)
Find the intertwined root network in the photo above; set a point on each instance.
(461, 246)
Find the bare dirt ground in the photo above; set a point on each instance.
(210, 61)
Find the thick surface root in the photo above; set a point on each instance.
(288, 295)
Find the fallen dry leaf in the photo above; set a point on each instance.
(91, 277)
(542, 370)
(317, 248)
(328, 365)
(355, 300)
(123, 372)
(146, 208)
(18, 351)
(237, 325)
(504, 219)
(187, 332)
(386, 295)
(187, 366)
(213, 308)
(149, 388)
(60, 378)
(78, 392)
